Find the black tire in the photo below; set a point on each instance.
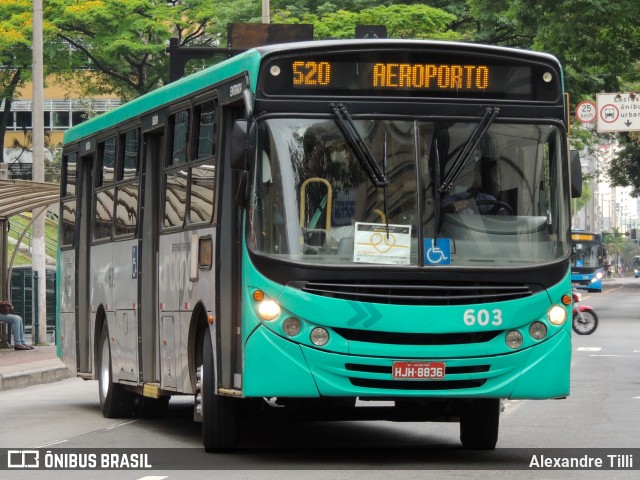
(115, 401)
(479, 423)
(586, 323)
(219, 414)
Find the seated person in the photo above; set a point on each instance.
(467, 194)
(471, 202)
(8, 315)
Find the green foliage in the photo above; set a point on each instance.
(18, 224)
(402, 21)
(123, 40)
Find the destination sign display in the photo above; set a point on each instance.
(313, 74)
(584, 237)
(418, 73)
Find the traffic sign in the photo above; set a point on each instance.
(618, 112)
(586, 112)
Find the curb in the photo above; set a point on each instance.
(37, 376)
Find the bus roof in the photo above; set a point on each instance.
(250, 61)
(151, 101)
(391, 43)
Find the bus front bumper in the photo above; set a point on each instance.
(277, 367)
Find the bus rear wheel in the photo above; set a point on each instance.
(219, 414)
(115, 401)
(479, 422)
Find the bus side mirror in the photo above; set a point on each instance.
(243, 144)
(576, 174)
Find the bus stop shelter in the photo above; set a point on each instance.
(18, 196)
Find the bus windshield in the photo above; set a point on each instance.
(587, 255)
(312, 200)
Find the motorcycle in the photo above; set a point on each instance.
(585, 320)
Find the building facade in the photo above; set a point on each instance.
(63, 108)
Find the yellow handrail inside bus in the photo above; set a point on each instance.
(303, 200)
(381, 214)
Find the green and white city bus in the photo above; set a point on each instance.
(321, 225)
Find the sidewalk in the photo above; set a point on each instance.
(22, 368)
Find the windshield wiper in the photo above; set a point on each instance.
(471, 144)
(358, 146)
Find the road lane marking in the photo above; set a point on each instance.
(57, 442)
(120, 424)
(588, 349)
(153, 477)
(618, 356)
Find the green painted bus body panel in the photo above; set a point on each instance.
(537, 370)
(245, 62)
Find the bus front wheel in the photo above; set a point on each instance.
(219, 414)
(479, 421)
(115, 401)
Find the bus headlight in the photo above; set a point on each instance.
(319, 336)
(514, 339)
(557, 315)
(291, 326)
(268, 309)
(538, 330)
(598, 276)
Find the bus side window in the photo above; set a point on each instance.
(202, 180)
(176, 176)
(105, 192)
(128, 184)
(68, 205)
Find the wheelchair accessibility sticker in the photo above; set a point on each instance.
(437, 251)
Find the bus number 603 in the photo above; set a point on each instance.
(482, 317)
(311, 73)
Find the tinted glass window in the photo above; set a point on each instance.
(130, 154)
(68, 223)
(203, 182)
(103, 214)
(108, 160)
(206, 129)
(60, 120)
(127, 209)
(69, 179)
(175, 198)
(179, 144)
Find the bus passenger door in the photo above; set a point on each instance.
(229, 263)
(152, 163)
(84, 321)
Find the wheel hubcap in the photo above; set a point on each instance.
(104, 368)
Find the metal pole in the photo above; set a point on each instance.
(266, 14)
(36, 311)
(38, 250)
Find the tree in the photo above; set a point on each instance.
(121, 41)
(402, 21)
(614, 243)
(15, 55)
